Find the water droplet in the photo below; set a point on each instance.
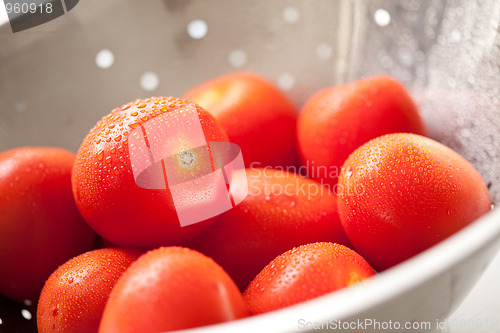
(141, 105)
(100, 155)
(118, 138)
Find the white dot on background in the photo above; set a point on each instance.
(104, 58)
(291, 15)
(197, 29)
(382, 17)
(149, 81)
(237, 58)
(26, 314)
(286, 81)
(455, 36)
(1, 322)
(20, 105)
(324, 51)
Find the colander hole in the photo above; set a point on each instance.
(237, 58)
(20, 105)
(197, 29)
(324, 51)
(382, 17)
(104, 58)
(149, 81)
(26, 314)
(286, 81)
(455, 36)
(291, 15)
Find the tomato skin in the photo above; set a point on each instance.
(254, 113)
(74, 296)
(105, 189)
(172, 288)
(40, 226)
(337, 120)
(267, 223)
(403, 193)
(303, 273)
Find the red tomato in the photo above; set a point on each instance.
(256, 115)
(402, 193)
(337, 120)
(303, 273)
(171, 288)
(74, 296)
(104, 186)
(40, 227)
(281, 211)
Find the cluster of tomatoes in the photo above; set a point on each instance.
(348, 183)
